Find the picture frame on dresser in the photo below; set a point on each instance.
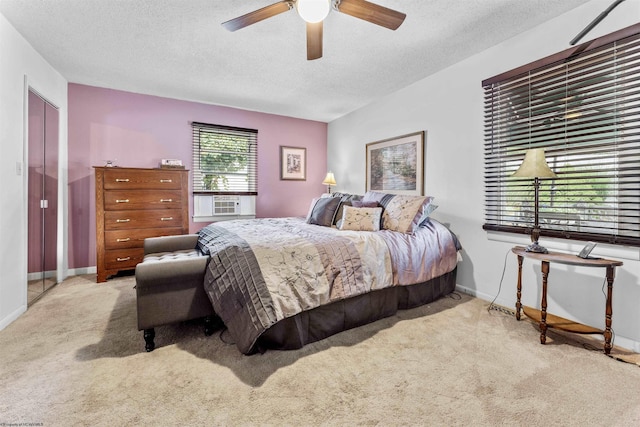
(396, 165)
(133, 204)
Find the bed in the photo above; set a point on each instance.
(281, 283)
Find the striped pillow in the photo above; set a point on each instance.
(401, 213)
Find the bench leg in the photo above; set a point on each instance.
(149, 335)
(209, 325)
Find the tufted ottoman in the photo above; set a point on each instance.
(170, 285)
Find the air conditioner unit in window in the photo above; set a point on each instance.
(221, 208)
(226, 205)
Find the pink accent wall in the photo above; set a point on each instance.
(139, 130)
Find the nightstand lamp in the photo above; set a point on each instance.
(329, 180)
(535, 166)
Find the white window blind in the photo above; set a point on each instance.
(225, 160)
(583, 107)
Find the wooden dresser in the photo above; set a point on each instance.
(131, 205)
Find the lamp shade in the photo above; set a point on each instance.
(534, 165)
(329, 179)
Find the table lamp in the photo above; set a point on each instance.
(535, 166)
(329, 180)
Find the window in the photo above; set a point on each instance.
(583, 107)
(225, 160)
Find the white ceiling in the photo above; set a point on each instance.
(178, 49)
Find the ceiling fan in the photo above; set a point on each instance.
(314, 12)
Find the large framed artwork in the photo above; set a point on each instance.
(396, 165)
(293, 163)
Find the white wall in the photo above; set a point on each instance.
(18, 60)
(449, 107)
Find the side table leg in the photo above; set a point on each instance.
(543, 303)
(519, 288)
(609, 311)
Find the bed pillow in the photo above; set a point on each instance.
(346, 196)
(361, 219)
(426, 220)
(322, 211)
(340, 210)
(428, 211)
(362, 204)
(401, 213)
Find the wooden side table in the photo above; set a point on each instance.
(551, 321)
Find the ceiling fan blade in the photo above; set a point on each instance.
(372, 12)
(314, 40)
(258, 15)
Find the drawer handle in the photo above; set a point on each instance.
(123, 220)
(123, 240)
(123, 259)
(122, 201)
(166, 200)
(166, 180)
(169, 218)
(122, 179)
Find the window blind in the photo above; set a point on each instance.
(225, 160)
(582, 106)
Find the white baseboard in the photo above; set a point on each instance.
(475, 293)
(4, 322)
(12, 316)
(81, 271)
(39, 275)
(618, 340)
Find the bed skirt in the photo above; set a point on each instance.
(321, 322)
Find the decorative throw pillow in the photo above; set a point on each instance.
(346, 199)
(322, 211)
(361, 219)
(362, 204)
(401, 213)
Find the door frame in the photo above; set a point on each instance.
(60, 244)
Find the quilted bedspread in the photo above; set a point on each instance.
(264, 270)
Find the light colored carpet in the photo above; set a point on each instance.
(76, 358)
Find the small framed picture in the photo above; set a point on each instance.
(293, 163)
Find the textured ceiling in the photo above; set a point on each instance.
(178, 49)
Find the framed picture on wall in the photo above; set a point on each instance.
(396, 165)
(293, 163)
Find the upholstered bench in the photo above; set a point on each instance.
(170, 285)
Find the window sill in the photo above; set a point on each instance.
(570, 246)
(219, 218)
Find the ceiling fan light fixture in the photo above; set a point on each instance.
(313, 11)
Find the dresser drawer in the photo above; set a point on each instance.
(126, 220)
(124, 179)
(136, 199)
(123, 259)
(121, 239)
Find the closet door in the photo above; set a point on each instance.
(42, 196)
